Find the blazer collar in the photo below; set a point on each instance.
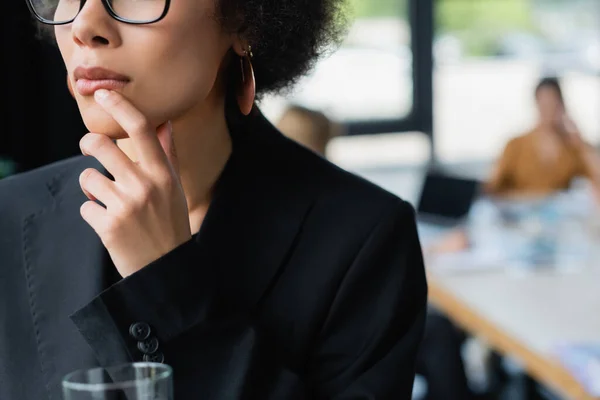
(256, 215)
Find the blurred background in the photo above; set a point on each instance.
(456, 77)
(421, 98)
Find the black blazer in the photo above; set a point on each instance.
(303, 282)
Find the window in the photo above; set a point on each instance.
(370, 77)
(489, 55)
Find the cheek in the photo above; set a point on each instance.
(183, 72)
(180, 81)
(185, 66)
(62, 33)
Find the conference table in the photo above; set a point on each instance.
(521, 314)
(524, 314)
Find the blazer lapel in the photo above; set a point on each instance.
(254, 219)
(63, 260)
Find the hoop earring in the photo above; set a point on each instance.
(247, 90)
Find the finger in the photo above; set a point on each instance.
(88, 195)
(94, 214)
(108, 154)
(166, 139)
(97, 186)
(137, 126)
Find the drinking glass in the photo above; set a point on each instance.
(133, 381)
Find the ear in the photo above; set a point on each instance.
(239, 45)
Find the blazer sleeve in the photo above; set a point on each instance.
(164, 299)
(369, 341)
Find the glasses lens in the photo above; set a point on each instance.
(137, 10)
(56, 10)
(140, 11)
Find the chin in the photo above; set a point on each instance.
(103, 124)
(97, 120)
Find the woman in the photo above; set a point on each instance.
(548, 158)
(192, 232)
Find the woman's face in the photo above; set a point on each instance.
(550, 106)
(170, 66)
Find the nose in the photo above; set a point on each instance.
(94, 27)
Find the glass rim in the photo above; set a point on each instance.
(107, 7)
(164, 371)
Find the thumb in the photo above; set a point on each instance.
(165, 137)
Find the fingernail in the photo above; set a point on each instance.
(101, 94)
(170, 126)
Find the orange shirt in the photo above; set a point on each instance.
(522, 169)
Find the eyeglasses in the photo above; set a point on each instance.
(60, 12)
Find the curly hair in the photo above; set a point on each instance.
(287, 36)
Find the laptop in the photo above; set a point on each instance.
(444, 203)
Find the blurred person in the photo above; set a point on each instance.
(548, 158)
(191, 232)
(311, 128)
(539, 163)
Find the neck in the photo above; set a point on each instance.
(203, 146)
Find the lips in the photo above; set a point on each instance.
(90, 79)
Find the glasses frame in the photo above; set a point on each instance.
(108, 9)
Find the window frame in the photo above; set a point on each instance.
(420, 118)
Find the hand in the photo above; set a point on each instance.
(146, 213)
(571, 131)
